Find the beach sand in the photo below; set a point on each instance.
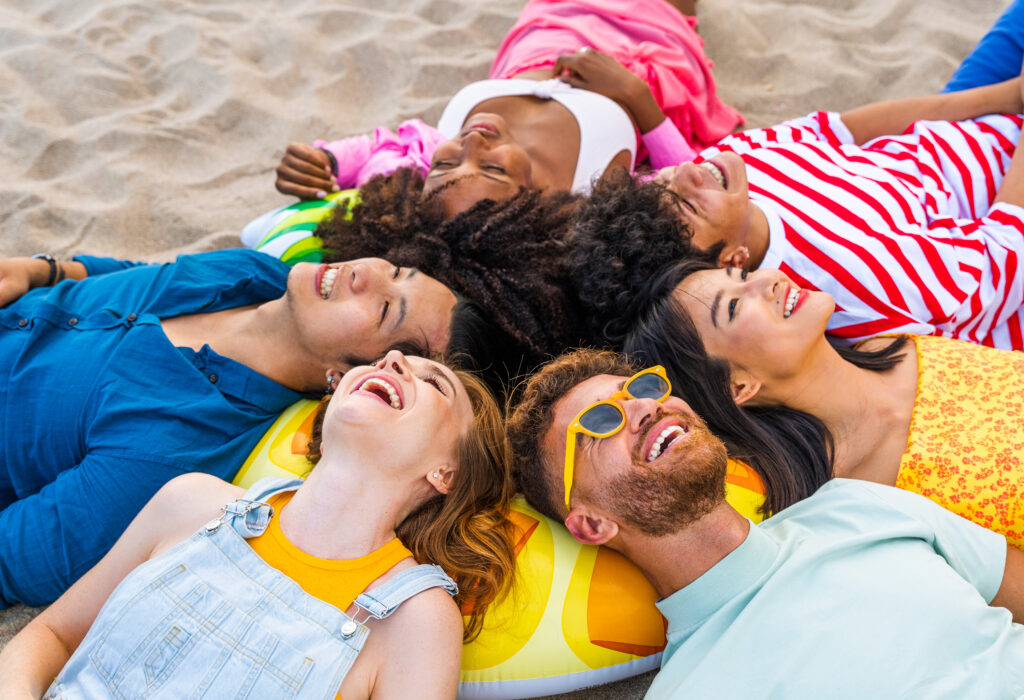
(143, 129)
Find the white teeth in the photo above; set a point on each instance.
(327, 282)
(669, 432)
(715, 172)
(392, 394)
(791, 298)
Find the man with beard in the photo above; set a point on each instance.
(861, 590)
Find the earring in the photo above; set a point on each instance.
(331, 379)
(436, 475)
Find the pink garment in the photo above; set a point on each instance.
(361, 158)
(650, 37)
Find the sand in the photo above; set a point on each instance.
(146, 128)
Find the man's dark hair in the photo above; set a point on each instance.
(621, 236)
(533, 416)
(507, 261)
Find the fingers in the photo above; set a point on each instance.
(305, 172)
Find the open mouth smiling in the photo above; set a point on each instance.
(382, 388)
(326, 279)
(716, 172)
(660, 440)
(794, 298)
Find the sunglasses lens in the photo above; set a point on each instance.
(648, 386)
(601, 419)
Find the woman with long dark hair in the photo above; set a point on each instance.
(937, 416)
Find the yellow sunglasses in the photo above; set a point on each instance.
(603, 419)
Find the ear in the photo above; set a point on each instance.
(333, 375)
(441, 478)
(734, 256)
(589, 528)
(744, 387)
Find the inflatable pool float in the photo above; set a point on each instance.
(287, 232)
(578, 615)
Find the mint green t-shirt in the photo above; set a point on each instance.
(860, 591)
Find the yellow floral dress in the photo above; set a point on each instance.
(966, 441)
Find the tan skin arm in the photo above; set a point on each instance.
(19, 275)
(1011, 592)
(894, 116)
(31, 661)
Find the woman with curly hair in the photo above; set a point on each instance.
(571, 87)
(506, 262)
(308, 589)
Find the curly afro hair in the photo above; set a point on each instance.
(621, 237)
(507, 261)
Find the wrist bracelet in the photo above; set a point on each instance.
(53, 268)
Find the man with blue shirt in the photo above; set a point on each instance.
(859, 591)
(113, 385)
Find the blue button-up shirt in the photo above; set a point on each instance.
(98, 409)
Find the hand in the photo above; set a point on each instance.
(598, 72)
(305, 172)
(18, 275)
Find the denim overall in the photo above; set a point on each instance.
(209, 618)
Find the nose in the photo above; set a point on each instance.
(767, 283)
(473, 144)
(396, 362)
(368, 277)
(686, 178)
(639, 412)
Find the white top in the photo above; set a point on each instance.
(605, 128)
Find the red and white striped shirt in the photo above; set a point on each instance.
(902, 230)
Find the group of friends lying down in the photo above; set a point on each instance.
(836, 301)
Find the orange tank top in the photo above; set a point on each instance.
(337, 582)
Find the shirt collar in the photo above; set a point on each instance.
(775, 254)
(689, 607)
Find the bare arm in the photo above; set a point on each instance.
(19, 275)
(1011, 592)
(30, 662)
(424, 651)
(894, 116)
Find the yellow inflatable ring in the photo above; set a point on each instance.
(578, 616)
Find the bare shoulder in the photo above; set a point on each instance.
(419, 649)
(185, 503)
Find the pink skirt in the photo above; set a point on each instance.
(650, 37)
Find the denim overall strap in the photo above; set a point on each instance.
(385, 598)
(250, 514)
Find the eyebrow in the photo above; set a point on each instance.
(488, 175)
(403, 302)
(716, 302)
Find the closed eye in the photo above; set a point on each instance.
(384, 312)
(435, 381)
(495, 169)
(397, 270)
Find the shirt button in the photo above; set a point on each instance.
(213, 378)
(22, 323)
(132, 317)
(72, 321)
